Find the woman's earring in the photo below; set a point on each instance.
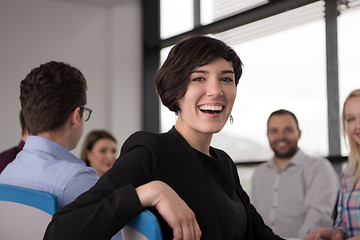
(231, 119)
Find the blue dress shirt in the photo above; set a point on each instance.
(47, 166)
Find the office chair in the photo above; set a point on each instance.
(25, 213)
(143, 227)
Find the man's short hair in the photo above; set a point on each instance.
(284, 112)
(49, 93)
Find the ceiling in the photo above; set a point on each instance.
(100, 3)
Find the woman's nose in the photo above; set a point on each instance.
(110, 155)
(357, 122)
(214, 88)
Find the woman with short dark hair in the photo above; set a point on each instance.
(198, 81)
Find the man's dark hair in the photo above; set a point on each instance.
(49, 93)
(284, 112)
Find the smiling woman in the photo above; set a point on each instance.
(99, 151)
(347, 224)
(198, 82)
(207, 103)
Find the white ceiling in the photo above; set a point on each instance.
(100, 3)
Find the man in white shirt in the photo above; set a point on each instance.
(293, 192)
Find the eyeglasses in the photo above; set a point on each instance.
(87, 112)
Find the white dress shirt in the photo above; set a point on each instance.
(298, 199)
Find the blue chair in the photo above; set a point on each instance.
(25, 213)
(143, 227)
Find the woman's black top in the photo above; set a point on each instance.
(230, 210)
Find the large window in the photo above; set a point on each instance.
(177, 16)
(213, 10)
(284, 58)
(171, 22)
(284, 68)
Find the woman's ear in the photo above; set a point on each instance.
(88, 155)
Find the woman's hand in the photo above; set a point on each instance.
(325, 234)
(172, 208)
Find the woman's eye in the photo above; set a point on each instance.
(350, 119)
(103, 150)
(198, 79)
(227, 79)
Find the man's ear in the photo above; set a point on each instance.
(299, 134)
(75, 118)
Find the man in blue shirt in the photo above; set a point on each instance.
(53, 99)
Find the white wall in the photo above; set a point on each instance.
(104, 43)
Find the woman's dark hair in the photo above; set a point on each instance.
(173, 77)
(90, 141)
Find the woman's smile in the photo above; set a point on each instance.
(209, 98)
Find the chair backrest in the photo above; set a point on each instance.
(25, 213)
(143, 227)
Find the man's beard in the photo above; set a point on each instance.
(290, 153)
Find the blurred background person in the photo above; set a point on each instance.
(9, 155)
(347, 224)
(99, 151)
(294, 193)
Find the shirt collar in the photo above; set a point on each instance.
(297, 159)
(50, 147)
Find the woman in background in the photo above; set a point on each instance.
(347, 224)
(99, 151)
